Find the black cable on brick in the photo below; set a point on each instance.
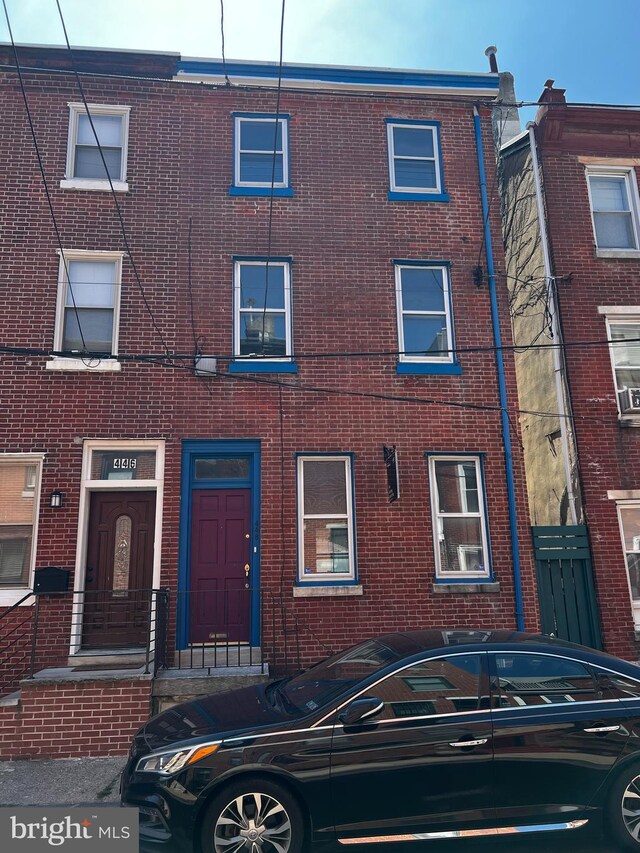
(113, 192)
(43, 174)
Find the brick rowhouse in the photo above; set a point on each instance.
(588, 164)
(344, 238)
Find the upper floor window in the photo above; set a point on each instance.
(262, 315)
(90, 148)
(459, 521)
(19, 487)
(261, 154)
(629, 516)
(325, 519)
(415, 161)
(423, 301)
(613, 194)
(624, 335)
(88, 306)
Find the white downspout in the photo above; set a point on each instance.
(555, 326)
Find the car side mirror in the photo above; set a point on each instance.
(360, 710)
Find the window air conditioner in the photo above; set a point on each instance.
(630, 400)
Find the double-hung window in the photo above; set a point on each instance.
(629, 517)
(415, 161)
(459, 519)
(624, 335)
(425, 334)
(19, 490)
(262, 316)
(326, 548)
(88, 306)
(90, 149)
(615, 209)
(261, 155)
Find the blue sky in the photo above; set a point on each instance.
(588, 47)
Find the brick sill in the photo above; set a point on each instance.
(466, 588)
(322, 591)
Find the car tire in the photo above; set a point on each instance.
(623, 809)
(258, 813)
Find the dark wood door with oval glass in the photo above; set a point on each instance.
(119, 574)
(220, 598)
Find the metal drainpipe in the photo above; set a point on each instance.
(555, 326)
(502, 387)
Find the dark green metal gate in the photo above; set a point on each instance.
(568, 607)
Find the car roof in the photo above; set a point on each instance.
(415, 642)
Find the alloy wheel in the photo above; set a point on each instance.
(631, 808)
(253, 823)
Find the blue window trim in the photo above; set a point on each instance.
(262, 192)
(252, 189)
(480, 455)
(244, 364)
(192, 448)
(425, 366)
(299, 575)
(416, 368)
(412, 193)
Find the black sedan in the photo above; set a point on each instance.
(405, 737)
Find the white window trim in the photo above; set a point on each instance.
(11, 595)
(283, 122)
(286, 311)
(437, 190)
(436, 515)
(631, 183)
(70, 182)
(620, 320)
(328, 577)
(88, 486)
(87, 361)
(400, 312)
(635, 606)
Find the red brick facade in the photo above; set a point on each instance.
(342, 234)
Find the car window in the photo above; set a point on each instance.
(443, 685)
(530, 679)
(616, 686)
(318, 685)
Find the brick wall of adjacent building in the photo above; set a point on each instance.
(569, 139)
(69, 719)
(342, 233)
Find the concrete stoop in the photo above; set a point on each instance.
(173, 686)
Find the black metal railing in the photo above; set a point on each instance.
(110, 628)
(233, 628)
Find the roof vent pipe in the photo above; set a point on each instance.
(493, 62)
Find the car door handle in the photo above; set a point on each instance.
(463, 743)
(599, 729)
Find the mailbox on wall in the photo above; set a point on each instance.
(50, 579)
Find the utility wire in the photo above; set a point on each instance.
(273, 178)
(44, 176)
(125, 239)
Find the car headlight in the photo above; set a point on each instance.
(175, 759)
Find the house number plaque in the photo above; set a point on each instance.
(125, 463)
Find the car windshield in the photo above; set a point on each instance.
(317, 686)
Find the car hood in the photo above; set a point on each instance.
(219, 715)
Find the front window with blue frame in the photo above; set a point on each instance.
(261, 155)
(423, 298)
(326, 548)
(459, 518)
(415, 161)
(262, 315)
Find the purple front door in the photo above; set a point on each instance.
(220, 599)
